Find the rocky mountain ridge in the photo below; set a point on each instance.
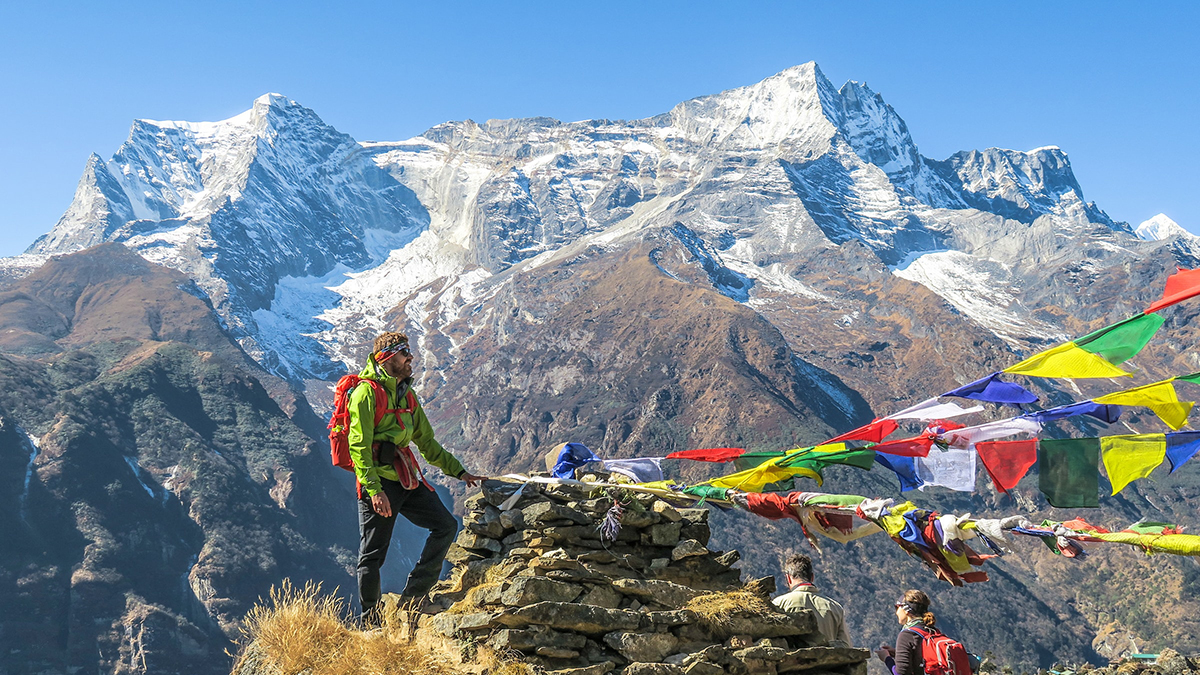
(763, 267)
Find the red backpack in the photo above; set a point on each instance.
(943, 655)
(339, 429)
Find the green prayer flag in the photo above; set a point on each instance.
(1069, 472)
(1194, 378)
(1121, 341)
(707, 492)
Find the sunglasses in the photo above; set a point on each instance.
(389, 353)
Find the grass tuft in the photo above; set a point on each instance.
(299, 630)
(715, 609)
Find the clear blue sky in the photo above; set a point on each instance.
(1116, 85)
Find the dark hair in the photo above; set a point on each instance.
(388, 340)
(918, 604)
(798, 566)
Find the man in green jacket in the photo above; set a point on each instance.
(389, 478)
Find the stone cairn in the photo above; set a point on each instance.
(542, 583)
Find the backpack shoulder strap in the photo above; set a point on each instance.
(381, 408)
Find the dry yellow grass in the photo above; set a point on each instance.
(715, 608)
(298, 630)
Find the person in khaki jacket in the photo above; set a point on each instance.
(802, 594)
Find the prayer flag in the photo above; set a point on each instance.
(1130, 457)
(994, 390)
(816, 459)
(961, 438)
(1095, 354)
(1007, 462)
(718, 455)
(905, 469)
(1105, 413)
(917, 446)
(1158, 396)
(873, 432)
(749, 460)
(1181, 446)
(1180, 286)
(566, 457)
(932, 409)
(640, 470)
(953, 468)
(1069, 473)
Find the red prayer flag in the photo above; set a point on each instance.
(873, 432)
(1007, 462)
(709, 454)
(917, 446)
(1180, 286)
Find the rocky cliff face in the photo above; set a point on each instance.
(155, 481)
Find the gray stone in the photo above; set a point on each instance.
(703, 668)
(528, 590)
(688, 548)
(546, 563)
(671, 619)
(666, 511)
(602, 668)
(694, 516)
(662, 592)
(663, 534)
(539, 636)
(470, 540)
(644, 647)
(762, 653)
(485, 522)
(521, 536)
(545, 512)
(764, 586)
(556, 652)
(449, 624)
(639, 519)
(586, 619)
(458, 555)
(513, 519)
(821, 657)
(602, 595)
(728, 559)
(699, 532)
(652, 669)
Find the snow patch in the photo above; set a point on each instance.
(980, 288)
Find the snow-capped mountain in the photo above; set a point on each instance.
(303, 239)
(1160, 227)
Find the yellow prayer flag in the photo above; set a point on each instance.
(1128, 458)
(1066, 360)
(1159, 397)
(753, 480)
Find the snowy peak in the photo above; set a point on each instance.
(793, 105)
(1160, 227)
(1019, 185)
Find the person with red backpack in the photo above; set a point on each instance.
(376, 416)
(921, 649)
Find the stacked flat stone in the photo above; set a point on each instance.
(538, 579)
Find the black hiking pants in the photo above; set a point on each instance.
(421, 507)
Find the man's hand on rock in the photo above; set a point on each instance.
(381, 505)
(471, 479)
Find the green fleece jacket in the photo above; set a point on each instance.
(416, 429)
